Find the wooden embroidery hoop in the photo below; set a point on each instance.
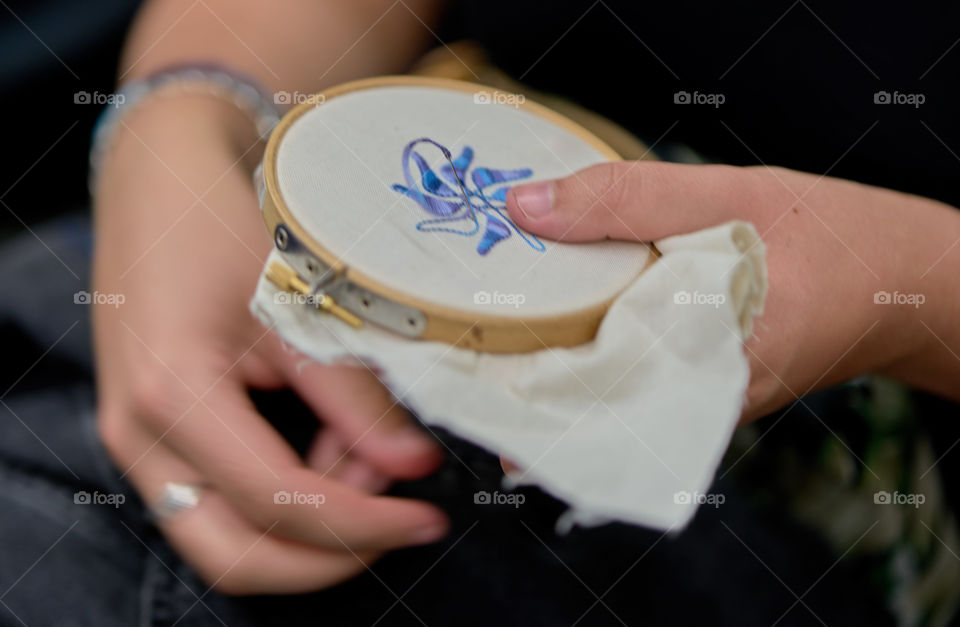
(358, 299)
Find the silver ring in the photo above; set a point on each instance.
(176, 498)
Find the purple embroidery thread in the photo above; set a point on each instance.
(451, 206)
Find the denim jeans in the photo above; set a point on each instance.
(77, 549)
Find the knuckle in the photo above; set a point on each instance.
(620, 194)
(619, 187)
(589, 192)
(155, 395)
(113, 434)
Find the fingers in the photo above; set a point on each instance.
(329, 456)
(235, 449)
(226, 550)
(237, 557)
(508, 466)
(630, 200)
(372, 424)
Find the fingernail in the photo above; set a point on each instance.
(428, 535)
(535, 200)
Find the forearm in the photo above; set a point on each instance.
(292, 45)
(898, 264)
(932, 266)
(288, 45)
(191, 141)
(902, 281)
(863, 279)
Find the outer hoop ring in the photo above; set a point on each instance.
(481, 332)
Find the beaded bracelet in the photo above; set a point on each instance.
(242, 92)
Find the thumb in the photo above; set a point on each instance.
(629, 200)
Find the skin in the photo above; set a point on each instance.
(178, 226)
(180, 235)
(831, 246)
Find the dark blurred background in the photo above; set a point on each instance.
(49, 52)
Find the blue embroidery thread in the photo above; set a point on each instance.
(460, 203)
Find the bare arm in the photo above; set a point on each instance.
(288, 44)
(180, 235)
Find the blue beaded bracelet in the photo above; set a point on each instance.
(244, 93)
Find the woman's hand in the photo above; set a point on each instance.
(180, 235)
(832, 246)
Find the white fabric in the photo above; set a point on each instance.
(337, 163)
(629, 427)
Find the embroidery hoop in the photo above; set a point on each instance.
(355, 297)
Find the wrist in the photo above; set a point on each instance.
(176, 132)
(174, 186)
(926, 319)
(205, 79)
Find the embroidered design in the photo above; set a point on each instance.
(449, 197)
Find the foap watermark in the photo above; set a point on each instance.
(282, 497)
(683, 297)
(297, 98)
(296, 298)
(98, 98)
(899, 498)
(898, 298)
(499, 97)
(898, 98)
(83, 297)
(699, 98)
(499, 298)
(684, 497)
(499, 498)
(99, 498)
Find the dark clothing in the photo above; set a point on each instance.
(799, 78)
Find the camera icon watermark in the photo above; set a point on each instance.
(282, 497)
(83, 497)
(484, 297)
(683, 297)
(98, 98)
(83, 297)
(897, 98)
(297, 98)
(886, 298)
(699, 98)
(899, 498)
(498, 498)
(499, 97)
(296, 298)
(683, 497)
